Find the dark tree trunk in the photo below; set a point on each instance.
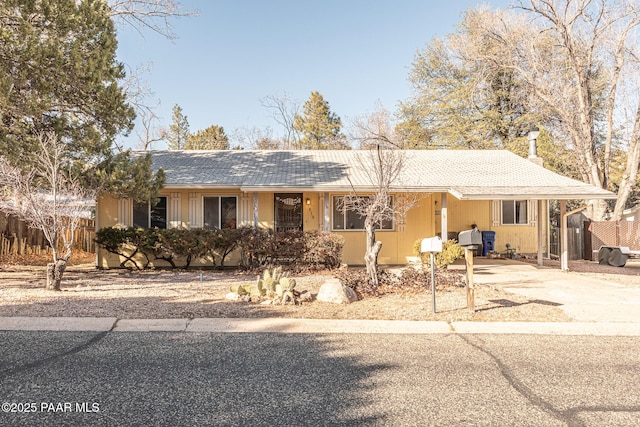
(55, 270)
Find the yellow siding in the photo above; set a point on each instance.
(107, 213)
(265, 210)
(463, 213)
(106, 216)
(397, 245)
(522, 238)
(312, 213)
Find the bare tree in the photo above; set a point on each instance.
(284, 111)
(49, 199)
(151, 131)
(385, 204)
(155, 15)
(138, 92)
(580, 61)
(377, 128)
(381, 162)
(257, 139)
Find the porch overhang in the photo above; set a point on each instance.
(585, 192)
(336, 189)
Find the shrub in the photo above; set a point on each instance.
(412, 280)
(258, 247)
(312, 249)
(218, 243)
(358, 280)
(253, 244)
(451, 251)
(323, 250)
(419, 279)
(183, 243)
(129, 242)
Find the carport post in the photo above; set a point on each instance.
(564, 240)
(540, 263)
(443, 217)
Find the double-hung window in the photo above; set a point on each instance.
(149, 215)
(220, 212)
(514, 212)
(348, 219)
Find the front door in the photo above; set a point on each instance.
(288, 211)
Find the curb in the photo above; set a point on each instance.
(98, 324)
(314, 326)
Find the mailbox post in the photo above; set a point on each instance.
(470, 240)
(432, 245)
(471, 289)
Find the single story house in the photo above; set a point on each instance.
(302, 189)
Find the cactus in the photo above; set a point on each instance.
(288, 283)
(270, 284)
(239, 289)
(254, 291)
(273, 284)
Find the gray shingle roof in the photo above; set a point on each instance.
(467, 174)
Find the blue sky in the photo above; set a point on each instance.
(356, 53)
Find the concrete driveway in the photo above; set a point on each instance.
(583, 297)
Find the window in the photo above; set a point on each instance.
(220, 212)
(346, 219)
(514, 212)
(146, 215)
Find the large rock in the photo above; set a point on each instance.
(334, 292)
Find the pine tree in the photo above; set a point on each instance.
(212, 138)
(319, 127)
(178, 132)
(58, 72)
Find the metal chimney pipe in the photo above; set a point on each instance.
(533, 146)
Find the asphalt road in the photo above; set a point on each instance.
(163, 378)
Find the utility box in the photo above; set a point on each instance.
(431, 244)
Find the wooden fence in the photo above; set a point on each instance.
(17, 238)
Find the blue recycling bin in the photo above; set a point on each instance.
(488, 242)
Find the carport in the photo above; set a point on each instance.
(529, 183)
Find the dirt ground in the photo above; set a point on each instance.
(189, 294)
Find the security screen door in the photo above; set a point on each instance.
(288, 211)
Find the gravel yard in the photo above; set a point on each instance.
(190, 294)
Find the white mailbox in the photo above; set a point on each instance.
(431, 244)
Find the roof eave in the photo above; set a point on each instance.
(522, 196)
(173, 186)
